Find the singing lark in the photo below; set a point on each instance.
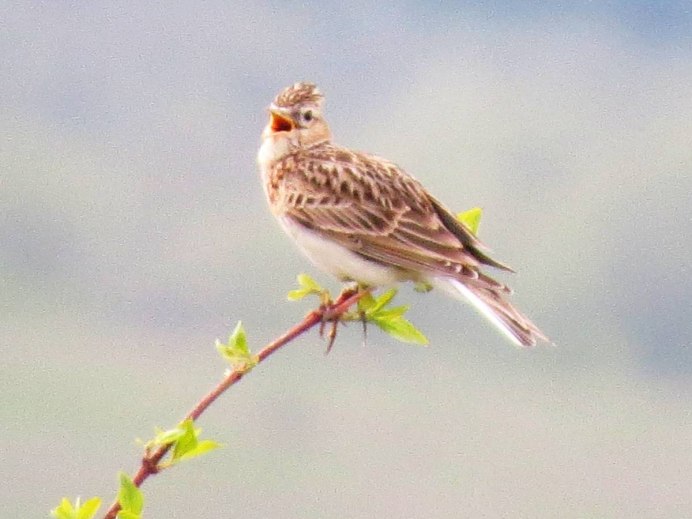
(362, 218)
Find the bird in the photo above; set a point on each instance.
(363, 219)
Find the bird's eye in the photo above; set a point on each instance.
(308, 115)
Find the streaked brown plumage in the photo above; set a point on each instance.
(362, 218)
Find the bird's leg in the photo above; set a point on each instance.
(327, 308)
(361, 313)
(328, 315)
(364, 321)
(325, 304)
(332, 336)
(352, 289)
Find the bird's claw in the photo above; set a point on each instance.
(331, 336)
(330, 314)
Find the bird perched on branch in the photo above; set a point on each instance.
(362, 218)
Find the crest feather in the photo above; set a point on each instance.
(299, 93)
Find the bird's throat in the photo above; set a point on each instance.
(274, 147)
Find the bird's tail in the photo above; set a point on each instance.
(491, 301)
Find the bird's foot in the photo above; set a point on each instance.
(331, 313)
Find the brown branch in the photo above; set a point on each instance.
(332, 312)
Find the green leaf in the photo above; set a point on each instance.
(236, 351)
(126, 514)
(382, 301)
(187, 441)
(67, 511)
(390, 319)
(471, 219)
(238, 338)
(129, 496)
(297, 294)
(366, 302)
(166, 437)
(306, 282)
(402, 330)
(390, 313)
(308, 286)
(188, 445)
(89, 508)
(201, 448)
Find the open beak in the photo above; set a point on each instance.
(280, 121)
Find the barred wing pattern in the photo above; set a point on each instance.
(371, 207)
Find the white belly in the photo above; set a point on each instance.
(338, 260)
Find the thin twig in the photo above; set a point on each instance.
(151, 460)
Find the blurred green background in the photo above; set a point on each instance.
(134, 232)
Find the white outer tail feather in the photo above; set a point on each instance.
(456, 288)
(484, 309)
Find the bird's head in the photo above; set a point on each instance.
(295, 117)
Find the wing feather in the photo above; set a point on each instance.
(373, 208)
